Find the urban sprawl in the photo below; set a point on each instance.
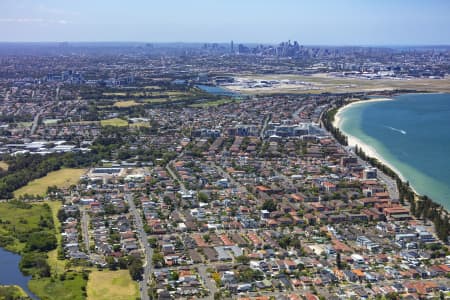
(212, 171)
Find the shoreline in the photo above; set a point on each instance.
(25, 289)
(367, 149)
(337, 118)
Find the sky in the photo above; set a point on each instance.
(313, 22)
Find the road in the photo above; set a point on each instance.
(210, 284)
(296, 114)
(85, 229)
(226, 175)
(148, 252)
(263, 130)
(174, 176)
(36, 121)
(391, 184)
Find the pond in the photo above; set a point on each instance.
(10, 273)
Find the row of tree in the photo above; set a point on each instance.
(327, 121)
(424, 208)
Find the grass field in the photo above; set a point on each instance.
(3, 165)
(61, 178)
(18, 220)
(69, 289)
(105, 285)
(128, 103)
(114, 122)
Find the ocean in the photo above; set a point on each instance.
(411, 133)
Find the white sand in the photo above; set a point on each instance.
(353, 141)
(338, 119)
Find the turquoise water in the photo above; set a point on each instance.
(412, 133)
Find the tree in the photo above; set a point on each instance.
(112, 263)
(122, 263)
(249, 275)
(152, 242)
(202, 197)
(216, 277)
(338, 261)
(136, 270)
(34, 263)
(173, 276)
(392, 296)
(269, 205)
(207, 238)
(62, 215)
(41, 241)
(242, 259)
(158, 258)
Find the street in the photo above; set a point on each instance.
(148, 252)
(174, 176)
(209, 282)
(390, 183)
(85, 229)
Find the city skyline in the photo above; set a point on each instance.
(323, 22)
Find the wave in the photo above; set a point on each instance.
(396, 129)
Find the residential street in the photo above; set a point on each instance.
(148, 252)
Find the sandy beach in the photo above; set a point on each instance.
(353, 141)
(338, 118)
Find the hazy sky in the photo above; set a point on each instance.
(325, 22)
